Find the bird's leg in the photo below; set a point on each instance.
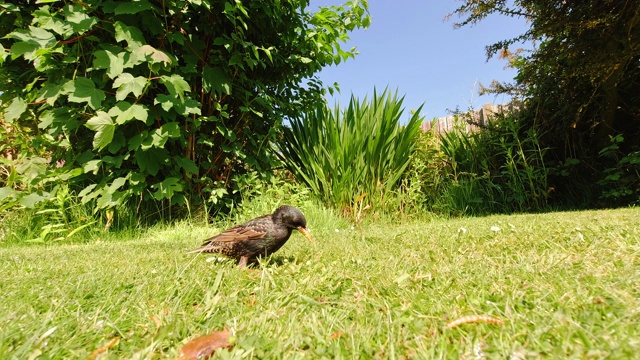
(243, 261)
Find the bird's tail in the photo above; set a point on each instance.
(205, 248)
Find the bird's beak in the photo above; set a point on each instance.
(304, 231)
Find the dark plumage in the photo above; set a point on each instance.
(261, 236)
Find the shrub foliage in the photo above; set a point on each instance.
(155, 101)
(581, 85)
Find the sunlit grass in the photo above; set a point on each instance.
(565, 285)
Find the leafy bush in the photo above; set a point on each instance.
(580, 85)
(156, 102)
(421, 182)
(621, 181)
(354, 156)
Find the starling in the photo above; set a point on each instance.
(261, 236)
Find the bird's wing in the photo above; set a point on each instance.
(229, 239)
(246, 233)
(239, 233)
(251, 230)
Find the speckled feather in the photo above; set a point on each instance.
(261, 236)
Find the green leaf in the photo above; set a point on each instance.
(132, 7)
(172, 129)
(167, 188)
(50, 93)
(190, 107)
(151, 160)
(126, 83)
(68, 175)
(151, 54)
(136, 140)
(91, 166)
(79, 20)
(132, 35)
(31, 168)
(116, 184)
(124, 112)
(165, 132)
(176, 37)
(182, 106)
(165, 101)
(48, 21)
(83, 90)
(25, 49)
(176, 85)
(58, 119)
(6, 192)
(366, 21)
(226, 132)
(114, 63)
(109, 199)
(268, 52)
(216, 80)
(137, 181)
(86, 194)
(236, 60)
(35, 35)
(187, 164)
(32, 199)
(16, 107)
(104, 127)
(118, 142)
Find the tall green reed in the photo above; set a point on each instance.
(497, 169)
(345, 154)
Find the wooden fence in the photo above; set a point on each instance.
(471, 120)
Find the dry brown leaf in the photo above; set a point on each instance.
(474, 319)
(156, 320)
(361, 197)
(109, 214)
(204, 346)
(336, 335)
(111, 343)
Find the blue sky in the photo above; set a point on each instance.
(410, 47)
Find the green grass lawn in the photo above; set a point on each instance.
(566, 285)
